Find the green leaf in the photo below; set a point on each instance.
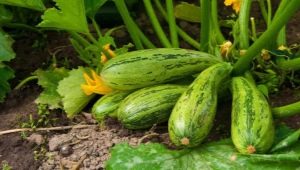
(6, 73)
(73, 98)
(188, 12)
(92, 6)
(70, 16)
(49, 80)
(216, 155)
(5, 15)
(6, 51)
(288, 141)
(31, 4)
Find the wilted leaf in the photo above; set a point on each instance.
(73, 98)
(32, 4)
(49, 80)
(70, 15)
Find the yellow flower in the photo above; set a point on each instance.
(94, 84)
(109, 51)
(225, 48)
(265, 55)
(236, 4)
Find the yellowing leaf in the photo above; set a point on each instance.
(70, 16)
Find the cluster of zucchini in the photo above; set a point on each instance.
(142, 99)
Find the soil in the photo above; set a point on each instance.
(65, 149)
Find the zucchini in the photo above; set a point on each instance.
(108, 104)
(194, 112)
(148, 106)
(252, 128)
(143, 68)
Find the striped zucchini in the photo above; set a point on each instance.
(108, 104)
(148, 106)
(143, 68)
(194, 112)
(252, 128)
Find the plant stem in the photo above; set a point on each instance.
(121, 6)
(172, 23)
(181, 33)
(244, 24)
(278, 22)
(263, 10)
(205, 24)
(79, 38)
(22, 26)
(215, 22)
(144, 39)
(269, 5)
(253, 29)
(97, 28)
(26, 80)
(287, 110)
(281, 38)
(156, 25)
(288, 65)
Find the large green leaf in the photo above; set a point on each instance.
(6, 73)
(92, 6)
(5, 15)
(49, 80)
(31, 4)
(70, 15)
(6, 51)
(217, 156)
(73, 98)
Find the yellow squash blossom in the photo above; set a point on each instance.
(236, 4)
(109, 51)
(94, 84)
(225, 48)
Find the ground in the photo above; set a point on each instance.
(67, 148)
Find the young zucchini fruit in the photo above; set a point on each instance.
(192, 116)
(148, 106)
(108, 104)
(143, 68)
(252, 128)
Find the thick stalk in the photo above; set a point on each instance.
(288, 65)
(181, 32)
(287, 110)
(215, 22)
(122, 8)
(244, 62)
(205, 24)
(244, 24)
(156, 25)
(281, 38)
(288, 141)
